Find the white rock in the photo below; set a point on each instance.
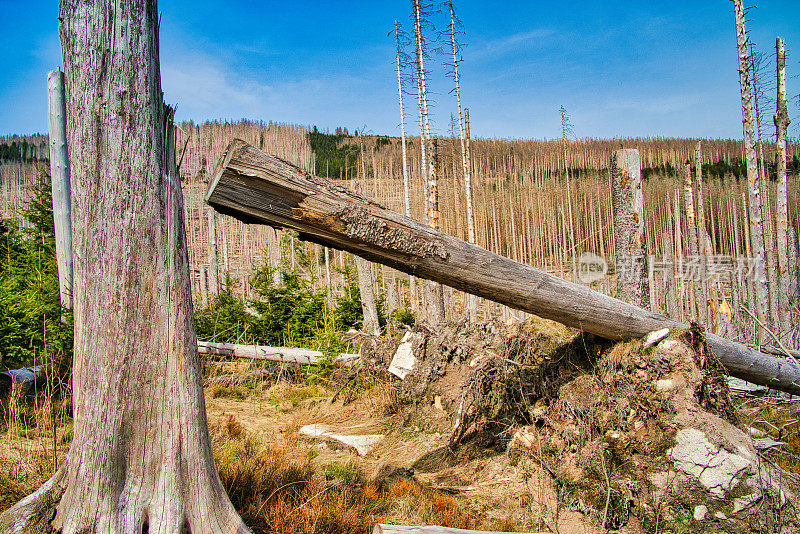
(361, 443)
(404, 359)
(700, 512)
(720, 516)
(716, 469)
(654, 337)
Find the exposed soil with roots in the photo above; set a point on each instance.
(618, 437)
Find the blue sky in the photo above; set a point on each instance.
(624, 68)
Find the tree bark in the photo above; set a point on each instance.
(629, 238)
(140, 457)
(255, 187)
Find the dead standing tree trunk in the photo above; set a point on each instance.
(770, 260)
(412, 283)
(434, 301)
(473, 302)
(213, 256)
(140, 457)
(59, 183)
(782, 200)
(255, 187)
(703, 244)
(369, 308)
(693, 242)
(753, 190)
(629, 238)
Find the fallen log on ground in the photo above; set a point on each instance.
(257, 188)
(275, 354)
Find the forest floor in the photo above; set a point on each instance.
(527, 427)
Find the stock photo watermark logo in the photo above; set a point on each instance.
(592, 268)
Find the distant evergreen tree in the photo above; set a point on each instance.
(333, 159)
(30, 307)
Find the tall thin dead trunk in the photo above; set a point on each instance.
(406, 194)
(694, 247)
(465, 167)
(204, 285)
(213, 255)
(473, 300)
(421, 101)
(435, 292)
(770, 261)
(753, 189)
(60, 184)
(782, 198)
(140, 457)
(573, 248)
(629, 238)
(702, 237)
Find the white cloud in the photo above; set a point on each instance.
(203, 87)
(517, 41)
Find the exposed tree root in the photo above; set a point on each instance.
(35, 512)
(47, 511)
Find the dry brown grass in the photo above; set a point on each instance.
(277, 481)
(35, 432)
(278, 488)
(780, 421)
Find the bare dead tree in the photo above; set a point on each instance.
(702, 236)
(140, 458)
(435, 301)
(754, 191)
(402, 59)
(455, 27)
(629, 235)
(757, 63)
(566, 131)
(782, 201)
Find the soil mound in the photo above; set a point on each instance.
(636, 437)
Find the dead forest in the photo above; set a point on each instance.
(265, 327)
(530, 203)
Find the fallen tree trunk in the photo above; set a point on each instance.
(258, 188)
(275, 354)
